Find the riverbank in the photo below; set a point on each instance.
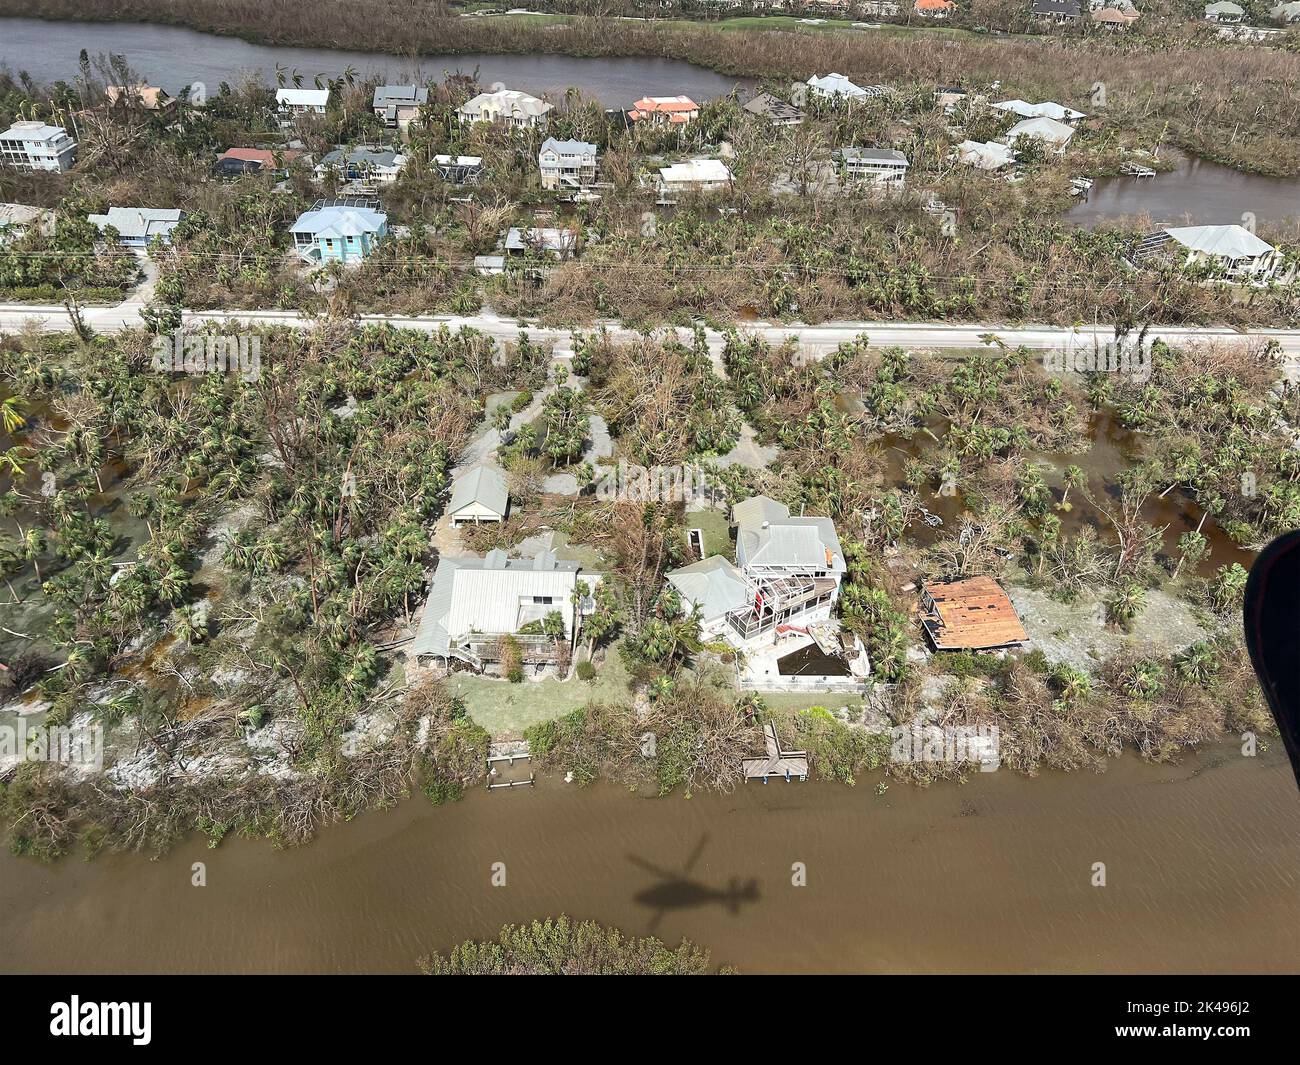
(992, 876)
(1195, 97)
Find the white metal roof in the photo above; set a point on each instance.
(984, 155)
(1229, 242)
(492, 595)
(134, 223)
(35, 132)
(1047, 109)
(713, 584)
(484, 485)
(302, 97)
(339, 221)
(567, 147)
(695, 171)
(835, 85)
(1047, 129)
(809, 543)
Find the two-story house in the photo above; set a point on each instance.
(787, 574)
(665, 110)
(397, 106)
(567, 164)
(338, 231)
(291, 103)
(506, 107)
(880, 167)
(37, 146)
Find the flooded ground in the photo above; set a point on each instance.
(1197, 192)
(1113, 449)
(1202, 867)
(175, 58)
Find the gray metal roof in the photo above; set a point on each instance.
(490, 595)
(803, 542)
(390, 95)
(376, 157)
(485, 485)
(756, 510)
(713, 584)
(136, 223)
(567, 147)
(874, 155)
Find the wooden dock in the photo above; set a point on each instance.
(777, 762)
(498, 770)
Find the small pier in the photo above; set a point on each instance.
(778, 762)
(1137, 170)
(507, 765)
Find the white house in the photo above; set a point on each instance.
(567, 164)
(137, 226)
(37, 146)
(1289, 12)
(477, 496)
(379, 165)
(1233, 249)
(714, 587)
(1055, 135)
(458, 169)
(17, 219)
(882, 167)
(1047, 109)
(838, 87)
(290, 103)
(694, 175)
(1224, 11)
(794, 564)
(786, 577)
(985, 155)
(473, 602)
(507, 107)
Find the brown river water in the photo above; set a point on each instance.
(1202, 868)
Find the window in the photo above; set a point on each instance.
(543, 600)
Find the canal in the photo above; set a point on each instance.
(1202, 866)
(174, 58)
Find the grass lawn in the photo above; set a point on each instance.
(803, 700)
(717, 532)
(506, 709)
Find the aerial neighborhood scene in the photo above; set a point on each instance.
(638, 487)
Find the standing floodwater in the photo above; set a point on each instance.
(174, 58)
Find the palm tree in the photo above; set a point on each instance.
(11, 413)
(1074, 478)
(31, 547)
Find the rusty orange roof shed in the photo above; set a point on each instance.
(971, 614)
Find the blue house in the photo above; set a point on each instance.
(338, 231)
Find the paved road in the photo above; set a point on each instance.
(815, 339)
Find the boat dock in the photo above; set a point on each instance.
(778, 761)
(501, 771)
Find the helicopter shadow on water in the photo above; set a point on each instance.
(679, 890)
